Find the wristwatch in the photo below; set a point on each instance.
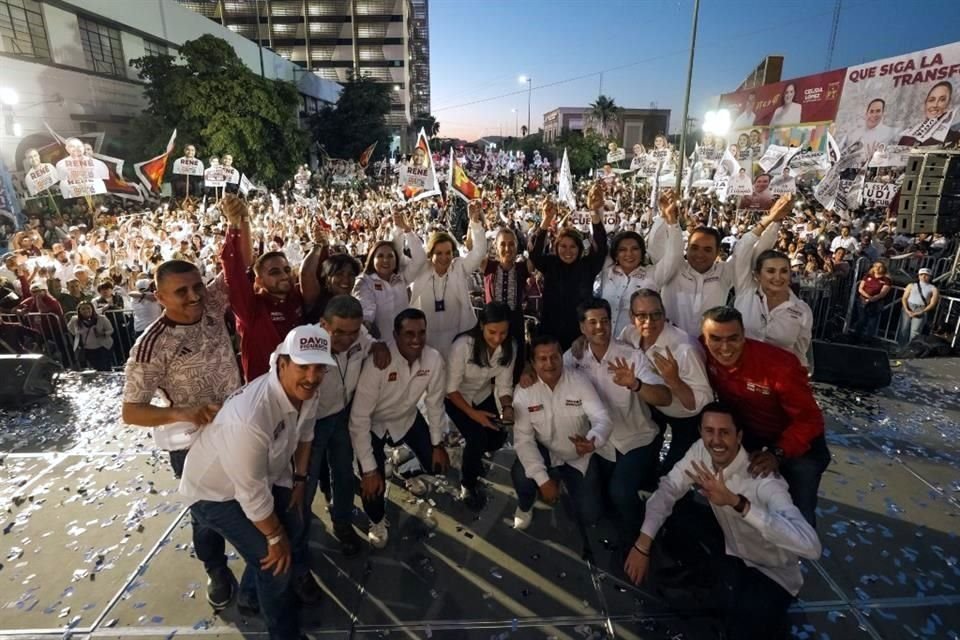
(298, 477)
(742, 503)
(639, 385)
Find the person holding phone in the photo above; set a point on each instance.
(480, 393)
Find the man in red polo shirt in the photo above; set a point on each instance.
(767, 389)
(266, 308)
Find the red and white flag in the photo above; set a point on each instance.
(151, 171)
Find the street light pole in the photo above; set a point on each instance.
(686, 100)
(529, 98)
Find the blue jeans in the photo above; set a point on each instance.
(331, 443)
(207, 543)
(803, 475)
(623, 479)
(584, 490)
(910, 328)
(277, 603)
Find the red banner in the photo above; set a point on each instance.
(803, 100)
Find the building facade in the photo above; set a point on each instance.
(386, 40)
(633, 126)
(65, 63)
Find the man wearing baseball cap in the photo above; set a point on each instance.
(240, 482)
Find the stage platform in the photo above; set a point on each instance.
(95, 542)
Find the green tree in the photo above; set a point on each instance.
(358, 120)
(426, 122)
(606, 112)
(585, 151)
(219, 105)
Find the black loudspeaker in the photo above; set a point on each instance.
(929, 199)
(846, 365)
(26, 378)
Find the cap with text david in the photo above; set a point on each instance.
(307, 344)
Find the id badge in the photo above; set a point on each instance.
(439, 305)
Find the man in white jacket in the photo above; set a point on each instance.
(764, 533)
(385, 410)
(560, 422)
(242, 485)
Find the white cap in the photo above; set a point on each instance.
(143, 284)
(307, 344)
(925, 271)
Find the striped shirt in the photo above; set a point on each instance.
(185, 365)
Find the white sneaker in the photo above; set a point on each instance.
(522, 519)
(377, 535)
(416, 486)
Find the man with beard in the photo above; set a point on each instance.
(764, 534)
(267, 308)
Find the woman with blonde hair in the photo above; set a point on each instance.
(442, 288)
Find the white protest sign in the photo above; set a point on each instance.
(740, 185)
(890, 156)
(188, 166)
(215, 177)
(233, 176)
(41, 178)
(81, 176)
(879, 194)
(616, 155)
(245, 185)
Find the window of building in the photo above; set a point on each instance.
(22, 31)
(154, 48)
(101, 47)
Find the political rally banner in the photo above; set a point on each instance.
(40, 178)
(215, 177)
(879, 194)
(616, 155)
(783, 182)
(810, 99)
(185, 166)
(907, 100)
(115, 183)
(418, 178)
(233, 176)
(891, 156)
(80, 176)
(776, 157)
(740, 184)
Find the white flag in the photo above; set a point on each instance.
(565, 186)
(245, 184)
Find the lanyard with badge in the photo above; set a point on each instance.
(439, 304)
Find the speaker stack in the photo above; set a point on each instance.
(26, 378)
(930, 193)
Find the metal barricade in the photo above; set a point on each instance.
(55, 341)
(123, 335)
(946, 320)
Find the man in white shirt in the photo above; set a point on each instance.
(875, 135)
(560, 422)
(679, 360)
(763, 531)
(844, 240)
(349, 345)
(627, 383)
(700, 282)
(385, 410)
(240, 481)
(747, 115)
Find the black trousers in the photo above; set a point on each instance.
(479, 439)
(417, 438)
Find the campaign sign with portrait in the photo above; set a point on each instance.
(904, 100)
(40, 178)
(185, 166)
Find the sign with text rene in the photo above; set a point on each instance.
(803, 100)
(41, 178)
(185, 166)
(906, 100)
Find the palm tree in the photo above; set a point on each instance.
(605, 111)
(426, 122)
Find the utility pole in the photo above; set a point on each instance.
(686, 99)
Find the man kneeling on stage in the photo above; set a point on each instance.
(239, 476)
(764, 533)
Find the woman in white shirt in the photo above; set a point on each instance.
(789, 112)
(92, 336)
(382, 289)
(626, 270)
(479, 379)
(919, 300)
(441, 289)
(771, 311)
